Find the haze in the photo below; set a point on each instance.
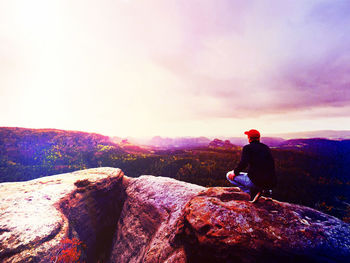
(175, 68)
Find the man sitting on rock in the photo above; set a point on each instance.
(261, 177)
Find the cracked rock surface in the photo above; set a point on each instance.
(32, 223)
(220, 225)
(149, 217)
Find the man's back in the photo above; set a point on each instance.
(261, 169)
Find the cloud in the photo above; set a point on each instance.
(295, 61)
(324, 83)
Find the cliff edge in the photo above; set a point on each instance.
(159, 219)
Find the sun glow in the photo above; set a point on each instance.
(160, 68)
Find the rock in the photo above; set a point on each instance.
(220, 144)
(37, 215)
(149, 217)
(158, 219)
(219, 225)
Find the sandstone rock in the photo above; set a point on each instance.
(32, 225)
(219, 225)
(149, 217)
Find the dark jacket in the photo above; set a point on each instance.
(261, 167)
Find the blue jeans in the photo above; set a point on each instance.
(242, 181)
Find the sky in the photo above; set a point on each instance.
(175, 68)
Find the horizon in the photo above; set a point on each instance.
(314, 134)
(175, 68)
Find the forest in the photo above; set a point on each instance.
(311, 172)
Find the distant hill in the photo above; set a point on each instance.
(130, 147)
(31, 153)
(29, 142)
(191, 142)
(333, 155)
(326, 134)
(318, 146)
(223, 145)
(270, 141)
(179, 142)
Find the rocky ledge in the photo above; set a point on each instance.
(158, 219)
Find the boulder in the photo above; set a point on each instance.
(36, 216)
(221, 225)
(149, 217)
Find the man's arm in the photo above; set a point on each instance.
(244, 161)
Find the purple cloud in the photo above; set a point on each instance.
(302, 62)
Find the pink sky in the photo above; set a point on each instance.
(175, 68)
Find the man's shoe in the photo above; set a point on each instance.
(256, 198)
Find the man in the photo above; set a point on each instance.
(261, 168)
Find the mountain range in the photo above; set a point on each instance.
(273, 140)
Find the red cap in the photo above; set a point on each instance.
(253, 133)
